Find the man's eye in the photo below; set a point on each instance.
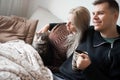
(101, 13)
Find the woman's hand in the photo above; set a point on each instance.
(44, 29)
(83, 61)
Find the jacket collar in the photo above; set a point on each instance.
(98, 40)
(118, 29)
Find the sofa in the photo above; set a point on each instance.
(18, 59)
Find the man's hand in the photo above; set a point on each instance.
(83, 61)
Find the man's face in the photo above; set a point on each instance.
(103, 17)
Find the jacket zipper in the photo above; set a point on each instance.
(109, 54)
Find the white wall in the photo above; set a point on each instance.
(60, 8)
(65, 5)
(35, 4)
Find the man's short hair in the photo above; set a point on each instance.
(113, 5)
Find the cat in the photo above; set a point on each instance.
(42, 44)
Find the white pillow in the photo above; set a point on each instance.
(44, 16)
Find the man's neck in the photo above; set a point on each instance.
(110, 33)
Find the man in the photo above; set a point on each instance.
(102, 43)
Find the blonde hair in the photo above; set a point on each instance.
(81, 21)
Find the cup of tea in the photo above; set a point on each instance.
(75, 57)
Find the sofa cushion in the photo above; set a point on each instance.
(14, 27)
(58, 36)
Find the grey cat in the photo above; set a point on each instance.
(42, 45)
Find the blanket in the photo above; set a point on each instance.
(20, 61)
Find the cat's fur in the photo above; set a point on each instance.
(42, 45)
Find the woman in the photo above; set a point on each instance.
(78, 22)
(77, 25)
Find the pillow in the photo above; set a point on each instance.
(57, 37)
(14, 27)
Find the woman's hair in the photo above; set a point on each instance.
(81, 21)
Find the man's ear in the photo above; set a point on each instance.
(116, 15)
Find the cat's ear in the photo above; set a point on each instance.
(47, 33)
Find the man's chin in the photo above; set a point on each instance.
(96, 28)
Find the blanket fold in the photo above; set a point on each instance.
(20, 61)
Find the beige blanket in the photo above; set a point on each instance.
(20, 61)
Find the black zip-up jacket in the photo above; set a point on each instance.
(105, 58)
